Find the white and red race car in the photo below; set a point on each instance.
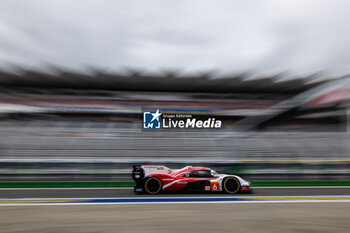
(155, 179)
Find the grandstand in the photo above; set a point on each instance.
(96, 117)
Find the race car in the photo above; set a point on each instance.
(155, 179)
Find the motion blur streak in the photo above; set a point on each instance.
(201, 218)
(128, 193)
(178, 200)
(69, 126)
(88, 88)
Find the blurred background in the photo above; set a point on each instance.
(75, 76)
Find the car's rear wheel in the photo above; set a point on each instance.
(153, 185)
(231, 185)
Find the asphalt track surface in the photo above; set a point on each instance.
(194, 218)
(128, 192)
(260, 216)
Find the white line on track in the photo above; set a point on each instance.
(175, 197)
(157, 203)
(179, 202)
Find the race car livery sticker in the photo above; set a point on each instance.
(215, 185)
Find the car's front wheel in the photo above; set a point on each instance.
(231, 185)
(153, 185)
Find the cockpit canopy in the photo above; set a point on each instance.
(201, 173)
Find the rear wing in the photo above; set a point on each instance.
(142, 171)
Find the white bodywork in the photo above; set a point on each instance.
(220, 178)
(156, 169)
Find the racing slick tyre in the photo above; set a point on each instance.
(231, 185)
(153, 185)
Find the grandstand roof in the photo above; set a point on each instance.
(133, 80)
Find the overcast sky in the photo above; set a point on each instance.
(268, 35)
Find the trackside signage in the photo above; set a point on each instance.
(158, 120)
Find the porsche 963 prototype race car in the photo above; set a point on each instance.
(155, 179)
